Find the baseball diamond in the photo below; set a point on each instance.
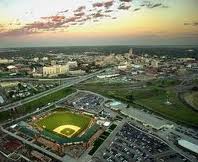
(65, 123)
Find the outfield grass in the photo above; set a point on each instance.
(153, 98)
(65, 118)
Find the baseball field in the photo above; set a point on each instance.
(65, 123)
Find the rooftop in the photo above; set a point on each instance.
(188, 145)
(146, 118)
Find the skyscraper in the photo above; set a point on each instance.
(131, 51)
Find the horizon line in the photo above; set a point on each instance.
(90, 46)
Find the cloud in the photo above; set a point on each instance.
(64, 11)
(108, 11)
(79, 14)
(58, 22)
(191, 24)
(97, 15)
(152, 5)
(96, 20)
(136, 9)
(36, 26)
(156, 5)
(80, 9)
(124, 6)
(50, 23)
(187, 23)
(98, 4)
(108, 4)
(195, 24)
(165, 6)
(82, 23)
(54, 18)
(17, 32)
(18, 24)
(74, 23)
(71, 19)
(126, 0)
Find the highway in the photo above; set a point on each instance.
(66, 83)
(36, 79)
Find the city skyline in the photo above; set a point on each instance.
(107, 22)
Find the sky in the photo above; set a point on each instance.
(27, 23)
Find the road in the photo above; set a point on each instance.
(67, 83)
(36, 79)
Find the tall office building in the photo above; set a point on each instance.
(131, 51)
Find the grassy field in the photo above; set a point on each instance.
(192, 99)
(112, 90)
(9, 84)
(176, 110)
(33, 105)
(152, 97)
(67, 119)
(4, 74)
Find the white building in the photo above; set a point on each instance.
(5, 61)
(107, 76)
(122, 67)
(45, 59)
(1, 100)
(72, 64)
(35, 59)
(188, 145)
(77, 72)
(55, 70)
(10, 67)
(155, 63)
(137, 66)
(148, 120)
(115, 105)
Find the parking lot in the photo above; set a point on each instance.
(86, 101)
(133, 145)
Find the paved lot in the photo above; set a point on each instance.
(131, 144)
(86, 101)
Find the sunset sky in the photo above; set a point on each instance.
(25, 23)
